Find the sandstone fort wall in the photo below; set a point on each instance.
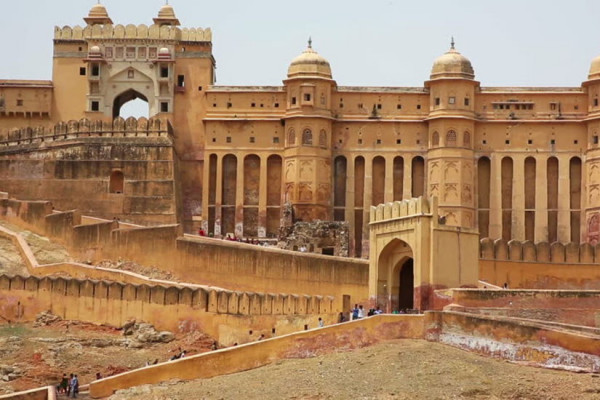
(123, 169)
(178, 309)
(540, 266)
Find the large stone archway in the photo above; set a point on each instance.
(410, 231)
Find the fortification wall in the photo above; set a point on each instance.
(123, 169)
(525, 341)
(540, 266)
(215, 262)
(577, 307)
(227, 316)
(132, 32)
(311, 343)
(205, 261)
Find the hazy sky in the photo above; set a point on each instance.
(370, 43)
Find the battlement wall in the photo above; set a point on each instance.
(401, 209)
(122, 169)
(132, 32)
(207, 261)
(119, 127)
(514, 250)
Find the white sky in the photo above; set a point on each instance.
(368, 43)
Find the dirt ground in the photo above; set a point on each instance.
(45, 251)
(11, 262)
(37, 356)
(402, 369)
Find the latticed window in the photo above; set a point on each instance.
(451, 138)
(307, 137)
(291, 137)
(467, 139)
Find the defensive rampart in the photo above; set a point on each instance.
(123, 169)
(132, 32)
(516, 340)
(576, 307)
(349, 335)
(227, 316)
(205, 261)
(540, 266)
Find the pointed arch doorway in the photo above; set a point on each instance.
(396, 277)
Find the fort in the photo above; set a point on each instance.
(428, 199)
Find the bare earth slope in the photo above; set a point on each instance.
(403, 369)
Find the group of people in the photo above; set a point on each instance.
(69, 386)
(358, 312)
(202, 232)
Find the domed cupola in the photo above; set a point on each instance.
(308, 64)
(594, 69)
(98, 16)
(452, 65)
(166, 16)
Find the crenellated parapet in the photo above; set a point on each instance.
(132, 32)
(404, 208)
(119, 127)
(543, 252)
(199, 299)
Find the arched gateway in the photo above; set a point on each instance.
(412, 253)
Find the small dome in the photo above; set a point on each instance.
(98, 15)
(95, 49)
(164, 53)
(595, 69)
(309, 63)
(98, 11)
(166, 16)
(452, 65)
(166, 11)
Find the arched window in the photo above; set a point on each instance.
(467, 139)
(435, 139)
(291, 137)
(116, 182)
(451, 138)
(307, 137)
(323, 138)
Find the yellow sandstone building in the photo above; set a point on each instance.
(513, 163)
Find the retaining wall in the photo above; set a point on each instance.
(348, 335)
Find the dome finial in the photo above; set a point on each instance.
(452, 43)
(310, 42)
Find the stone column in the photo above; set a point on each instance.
(388, 196)
(407, 185)
(367, 200)
(495, 228)
(205, 193)
(518, 198)
(564, 200)
(541, 199)
(239, 197)
(349, 213)
(262, 197)
(219, 195)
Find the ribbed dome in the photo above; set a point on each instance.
(452, 65)
(309, 63)
(98, 15)
(595, 69)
